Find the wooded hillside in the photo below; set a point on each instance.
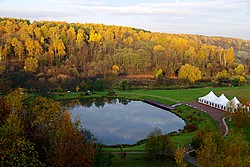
(53, 54)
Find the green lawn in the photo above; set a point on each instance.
(139, 160)
(137, 148)
(189, 95)
(165, 96)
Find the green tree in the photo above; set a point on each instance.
(15, 149)
(86, 85)
(100, 84)
(110, 77)
(43, 116)
(158, 146)
(102, 158)
(124, 84)
(5, 110)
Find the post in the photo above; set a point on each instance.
(121, 149)
(189, 147)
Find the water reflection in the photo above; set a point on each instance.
(120, 121)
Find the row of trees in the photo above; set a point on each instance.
(45, 51)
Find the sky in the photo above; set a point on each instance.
(227, 18)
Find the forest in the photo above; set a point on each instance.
(59, 56)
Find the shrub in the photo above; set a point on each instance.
(191, 127)
(100, 84)
(124, 84)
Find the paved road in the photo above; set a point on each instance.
(192, 160)
(216, 114)
(219, 117)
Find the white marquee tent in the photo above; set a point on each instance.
(208, 98)
(234, 103)
(221, 102)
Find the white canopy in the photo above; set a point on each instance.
(208, 98)
(234, 104)
(235, 101)
(221, 102)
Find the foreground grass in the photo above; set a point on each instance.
(139, 160)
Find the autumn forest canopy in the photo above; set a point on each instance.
(49, 55)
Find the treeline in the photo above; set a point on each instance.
(49, 55)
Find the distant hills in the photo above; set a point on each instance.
(63, 54)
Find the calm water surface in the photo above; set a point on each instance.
(116, 123)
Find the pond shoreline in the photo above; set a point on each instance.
(121, 121)
(183, 138)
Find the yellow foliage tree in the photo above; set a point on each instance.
(189, 73)
(77, 88)
(115, 69)
(179, 155)
(31, 64)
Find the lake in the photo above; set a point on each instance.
(120, 121)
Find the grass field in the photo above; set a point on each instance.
(139, 160)
(189, 95)
(165, 96)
